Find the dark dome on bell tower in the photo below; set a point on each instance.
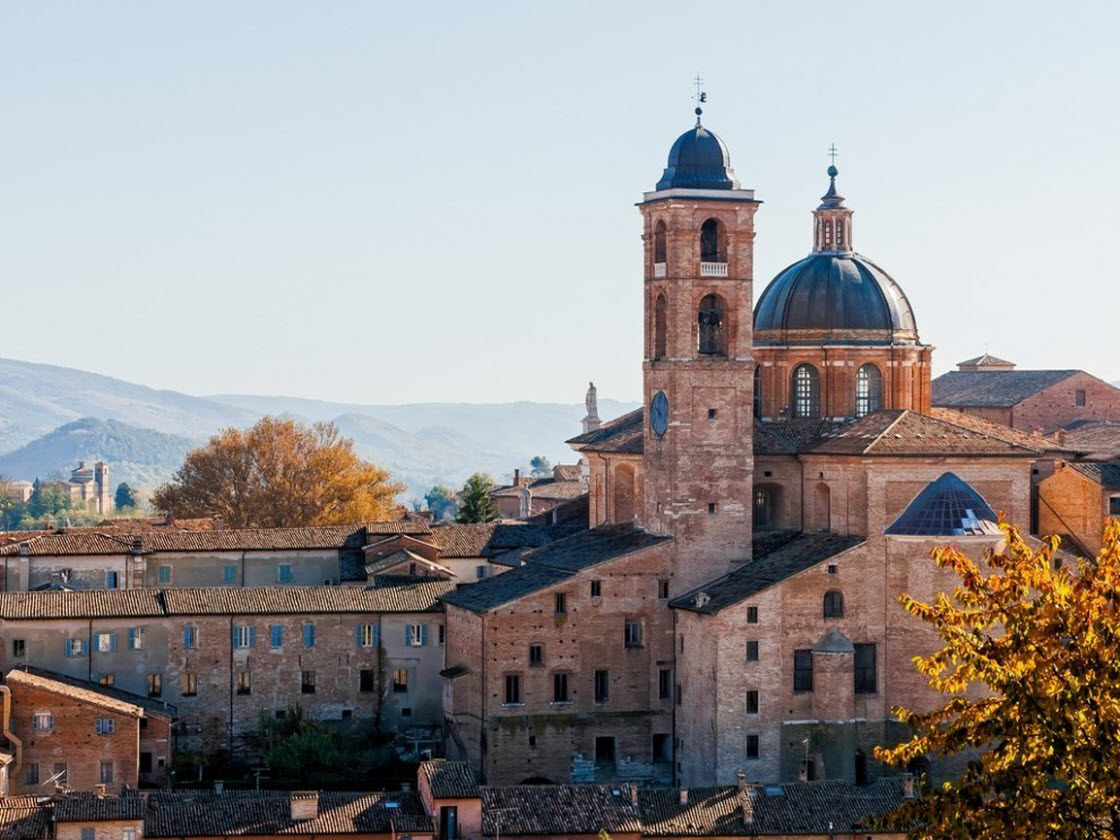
(699, 160)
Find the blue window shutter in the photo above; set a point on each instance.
(276, 633)
(112, 642)
(376, 635)
(69, 647)
(233, 636)
(252, 636)
(408, 634)
(131, 639)
(358, 634)
(423, 634)
(85, 647)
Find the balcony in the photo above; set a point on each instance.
(713, 269)
(659, 269)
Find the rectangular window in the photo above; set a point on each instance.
(106, 774)
(604, 749)
(663, 590)
(145, 762)
(77, 647)
(602, 686)
(416, 635)
(309, 635)
(111, 580)
(155, 685)
(135, 638)
(481, 572)
(188, 685)
(560, 688)
(596, 589)
(164, 575)
(752, 615)
(1114, 506)
(752, 651)
(866, 677)
(752, 702)
(105, 726)
(802, 670)
(61, 774)
(244, 636)
(89, 833)
(42, 722)
(19, 648)
(664, 683)
(275, 636)
(633, 633)
(190, 638)
(561, 603)
(229, 575)
(128, 834)
(107, 679)
(442, 632)
(662, 749)
(536, 655)
(244, 682)
(306, 682)
(31, 774)
(284, 573)
(752, 746)
(365, 680)
(513, 689)
(1079, 397)
(400, 680)
(105, 642)
(367, 635)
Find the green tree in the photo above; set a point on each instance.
(441, 502)
(541, 466)
(125, 497)
(475, 502)
(1043, 641)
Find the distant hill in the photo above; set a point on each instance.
(46, 426)
(141, 457)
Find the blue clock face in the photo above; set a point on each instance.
(659, 413)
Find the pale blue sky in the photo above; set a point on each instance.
(396, 202)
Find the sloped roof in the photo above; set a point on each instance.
(88, 695)
(24, 818)
(947, 507)
(802, 552)
(986, 359)
(450, 779)
(622, 435)
(1106, 475)
(906, 432)
(88, 807)
(402, 556)
(151, 705)
(560, 810)
(997, 430)
(94, 603)
(484, 539)
(1096, 440)
(993, 388)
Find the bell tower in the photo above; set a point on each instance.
(698, 371)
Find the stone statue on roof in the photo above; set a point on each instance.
(591, 402)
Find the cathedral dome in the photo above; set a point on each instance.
(699, 160)
(834, 295)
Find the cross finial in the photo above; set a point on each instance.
(832, 153)
(701, 97)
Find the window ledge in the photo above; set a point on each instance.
(512, 705)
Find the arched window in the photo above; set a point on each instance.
(806, 392)
(659, 327)
(712, 246)
(710, 320)
(659, 242)
(833, 604)
(758, 392)
(869, 390)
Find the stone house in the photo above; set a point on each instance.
(533, 496)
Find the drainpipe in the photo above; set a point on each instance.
(5, 719)
(230, 640)
(89, 652)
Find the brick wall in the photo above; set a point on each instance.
(1072, 504)
(1057, 405)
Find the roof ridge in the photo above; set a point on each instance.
(984, 434)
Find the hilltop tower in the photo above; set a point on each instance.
(698, 371)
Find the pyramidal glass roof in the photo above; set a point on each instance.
(947, 507)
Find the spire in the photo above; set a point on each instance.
(832, 227)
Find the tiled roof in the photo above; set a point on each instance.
(450, 779)
(544, 567)
(399, 558)
(817, 808)
(94, 603)
(73, 692)
(788, 437)
(558, 810)
(410, 525)
(801, 553)
(185, 814)
(1106, 475)
(544, 488)
(568, 472)
(1097, 441)
(986, 359)
(905, 432)
(23, 818)
(993, 388)
(947, 507)
(151, 705)
(69, 543)
(87, 807)
(622, 435)
(997, 430)
(278, 600)
(484, 539)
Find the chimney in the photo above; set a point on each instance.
(24, 549)
(137, 544)
(516, 477)
(305, 805)
(908, 785)
(803, 773)
(1060, 436)
(217, 523)
(683, 796)
(741, 778)
(99, 789)
(634, 794)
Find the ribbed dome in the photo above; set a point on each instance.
(834, 298)
(948, 507)
(698, 160)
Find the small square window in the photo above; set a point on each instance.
(752, 615)
(833, 568)
(1114, 506)
(307, 682)
(19, 648)
(752, 746)
(633, 633)
(596, 589)
(164, 575)
(406, 711)
(108, 679)
(89, 833)
(532, 740)
(711, 414)
(400, 681)
(284, 573)
(244, 682)
(42, 722)
(711, 508)
(752, 650)
(105, 726)
(536, 655)
(663, 589)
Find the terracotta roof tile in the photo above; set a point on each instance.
(450, 779)
(993, 388)
(1097, 441)
(87, 807)
(23, 818)
(73, 692)
(905, 432)
(558, 810)
(485, 539)
(622, 435)
(278, 600)
(150, 705)
(1106, 475)
(95, 603)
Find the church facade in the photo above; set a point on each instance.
(734, 607)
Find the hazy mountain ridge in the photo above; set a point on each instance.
(51, 417)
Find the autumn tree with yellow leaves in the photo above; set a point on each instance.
(1043, 640)
(280, 474)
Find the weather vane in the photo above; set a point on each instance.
(832, 153)
(701, 97)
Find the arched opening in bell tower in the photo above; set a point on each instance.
(660, 326)
(659, 246)
(711, 339)
(713, 242)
